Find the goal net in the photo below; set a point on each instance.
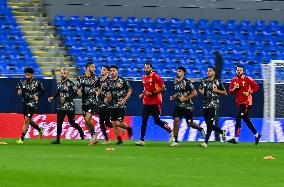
(273, 87)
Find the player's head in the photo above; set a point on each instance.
(90, 67)
(240, 70)
(148, 68)
(64, 73)
(113, 70)
(29, 73)
(181, 71)
(211, 71)
(104, 70)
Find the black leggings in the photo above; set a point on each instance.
(104, 120)
(210, 115)
(155, 112)
(242, 113)
(60, 118)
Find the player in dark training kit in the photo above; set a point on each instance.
(211, 89)
(152, 100)
(118, 94)
(66, 91)
(184, 92)
(243, 86)
(103, 107)
(89, 85)
(31, 90)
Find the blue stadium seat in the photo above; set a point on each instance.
(103, 21)
(117, 21)
(146, 22)
(60, 21)
(160, 23)
(88, 21)
(175, 23)
(132, 21)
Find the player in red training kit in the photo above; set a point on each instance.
(152, 100)
(243, 86)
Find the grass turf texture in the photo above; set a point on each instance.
(74, 163)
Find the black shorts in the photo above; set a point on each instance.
(93, 109)
(28, 111)
(117, 114)
(182, 112)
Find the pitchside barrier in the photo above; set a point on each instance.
(11, 125)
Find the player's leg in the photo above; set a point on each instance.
(87, 113)
(177, 117)
(155, 111)
(35, 126)
(103, 119)
(175, 129)
(25, 129)
(188, 113)
(209, 125)
(60, 118)
(114, 119)
(146, 111)
(122, 124)
(71, 119)
(215, 127)
(28, 113)
(239, 116)
(251, 126)
(89, 123)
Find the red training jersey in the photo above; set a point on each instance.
(151, 83)
(246, 84)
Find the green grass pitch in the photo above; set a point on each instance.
(74, 163)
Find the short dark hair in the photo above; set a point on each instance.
(148, 63)
(211, 67)
(240, 66)
(182, 69)
(29, 70)
(106, 66)
(89, 64)
(113, 66)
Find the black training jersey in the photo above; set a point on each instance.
(30, 90)
(118, 89)
(68, 90)
(104, 91)
(183, 87)
(89, 87)
(211, 98)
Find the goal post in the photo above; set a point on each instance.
(273, 89)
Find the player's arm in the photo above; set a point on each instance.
(19, 88)
(157, 80)
(40, 92)
(191, 90)
(54, 96)
(254, 86)
(141, 95)
(173, 97)
(79, 86)
(160, 90)
(192, 94)
(220, 89)
(201, 91)
(129, 92)
(201, 88)
(233, 87)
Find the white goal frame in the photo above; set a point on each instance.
(269, 90)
